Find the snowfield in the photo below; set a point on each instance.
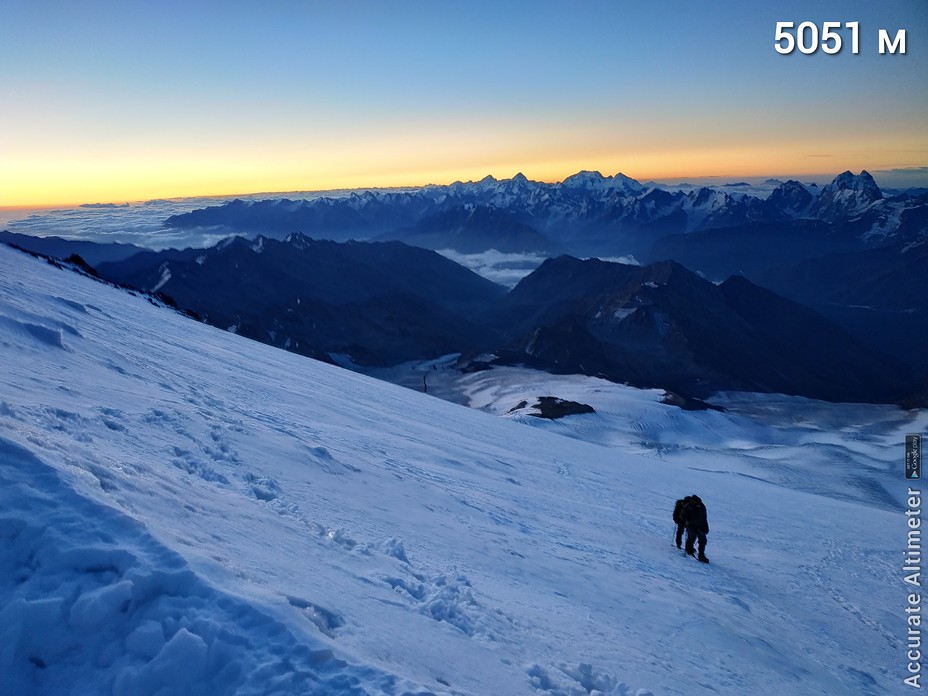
(184, 511)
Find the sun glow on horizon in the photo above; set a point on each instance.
(207, 105)
(68, 186)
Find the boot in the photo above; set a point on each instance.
(702, 557)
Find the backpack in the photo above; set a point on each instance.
(678, 509)
(694, 515)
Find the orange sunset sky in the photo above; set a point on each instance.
(107, 101)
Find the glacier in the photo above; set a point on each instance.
(184, 511)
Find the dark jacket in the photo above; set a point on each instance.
(693, 515)
(678, 509)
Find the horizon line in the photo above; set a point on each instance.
(682, 180)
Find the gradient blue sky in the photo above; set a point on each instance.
(109, 101)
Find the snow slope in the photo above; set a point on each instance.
(844, 451)
(183, 511)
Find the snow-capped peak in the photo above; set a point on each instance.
(848, 196)
(585, 179)
(862, 183)
(594, 181)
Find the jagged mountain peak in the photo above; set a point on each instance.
(298, 240)
(705, 195)
(594, 180)
(847, 196)
(790, 185)
(628, 182)
(585, 175)
(862, 182)
(790, 198)
(586, 213)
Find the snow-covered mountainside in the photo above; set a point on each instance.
(184, 511)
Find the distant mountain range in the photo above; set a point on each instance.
(794, 241)
(382, 303)
(586, 214)
(844, 315)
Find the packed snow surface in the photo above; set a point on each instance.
(183, 511)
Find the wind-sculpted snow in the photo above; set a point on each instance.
(93, 604)
(183, 511)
